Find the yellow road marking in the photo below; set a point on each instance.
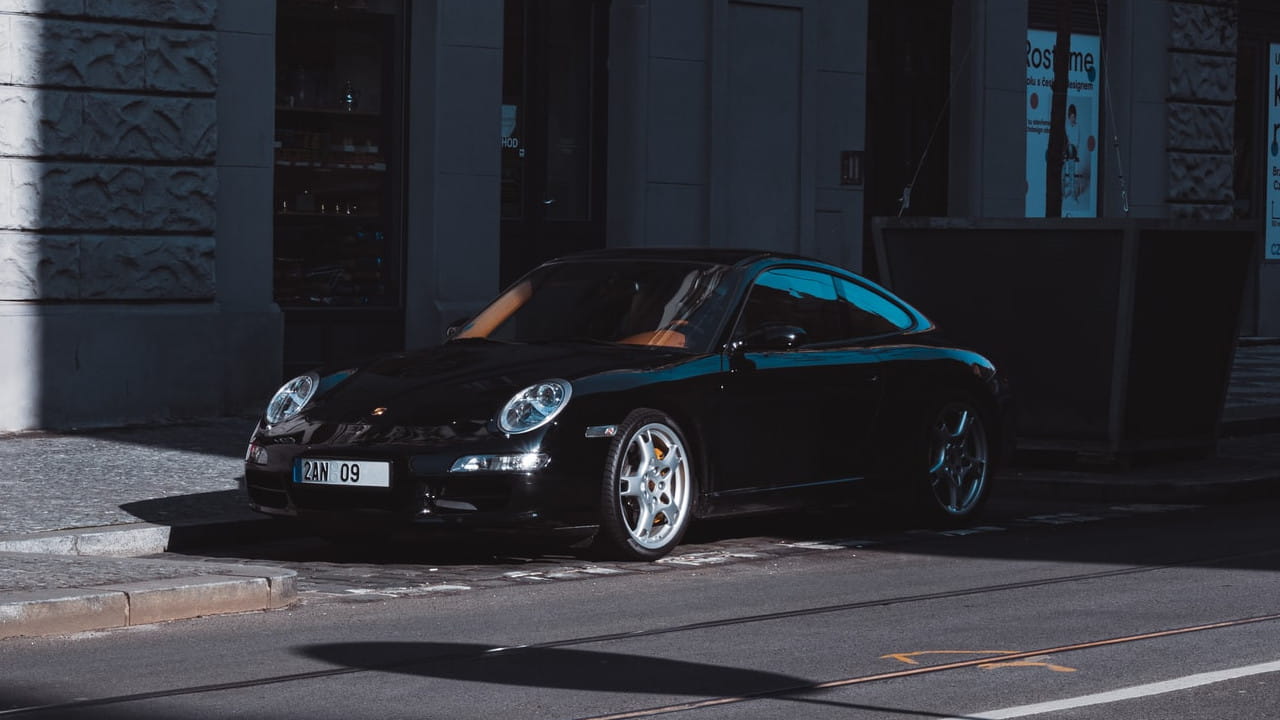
(799, 689)
(910, 659)
(1028, 663)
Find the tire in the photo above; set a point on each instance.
(949, 463)
(646, 498)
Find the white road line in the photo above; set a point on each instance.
(1130, 693)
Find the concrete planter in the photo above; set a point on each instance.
(1118, 335)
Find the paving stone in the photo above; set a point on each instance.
(171, 474)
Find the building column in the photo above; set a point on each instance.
(252, 326)
(453, 156)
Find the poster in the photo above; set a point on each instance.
(1271, 250)
(1080, 162)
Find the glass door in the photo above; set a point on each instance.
(553, 130)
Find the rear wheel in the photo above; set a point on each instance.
(957, 460)
(647, 493)
(936, 467)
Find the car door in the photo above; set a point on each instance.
(798, 395)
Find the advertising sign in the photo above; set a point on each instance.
(1080, 158)
(1271, 249)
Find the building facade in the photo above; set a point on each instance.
(202, 197)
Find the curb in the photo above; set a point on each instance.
(228, 589)
(236, 589)
(135, 539)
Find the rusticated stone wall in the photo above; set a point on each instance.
(1202, 94)
(108, 135)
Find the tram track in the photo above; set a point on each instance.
(479, 654)
(802, 689)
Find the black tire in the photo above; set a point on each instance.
(639, 494)
(946, 464)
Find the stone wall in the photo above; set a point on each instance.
(1201, 113)
(134, 285)
(108, 129)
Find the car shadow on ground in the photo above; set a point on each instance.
(252, 537)
(561, 668)
(1227, 535)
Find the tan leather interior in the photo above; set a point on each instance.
(656, 338)
(497, 313)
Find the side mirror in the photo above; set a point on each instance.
(771, 337)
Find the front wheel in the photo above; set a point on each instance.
(647, 493)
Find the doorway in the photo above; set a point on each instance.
(908, 82)
(554, 119)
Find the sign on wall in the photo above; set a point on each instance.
(1080, 161)
(1272, 244)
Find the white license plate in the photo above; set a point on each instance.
(352, 473)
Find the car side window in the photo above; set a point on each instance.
(794, 297)
(869, 313)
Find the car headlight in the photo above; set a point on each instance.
(292, 397)
(534, 406)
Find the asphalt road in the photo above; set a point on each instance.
(1084, 612)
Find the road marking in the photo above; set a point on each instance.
(784, 692)
(407, 590)
(1153, 508)
(962, 532)
(910, 659)
(1066, 518)
(1129, 693)
(828, 543)
(714, 557)
(1028, 663)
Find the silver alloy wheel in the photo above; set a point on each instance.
(653, 485)
(959, 459)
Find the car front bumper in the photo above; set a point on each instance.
(425, 492)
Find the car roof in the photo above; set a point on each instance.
(718, 256)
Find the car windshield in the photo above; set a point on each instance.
(658, 303)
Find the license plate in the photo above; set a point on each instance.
(352, 473)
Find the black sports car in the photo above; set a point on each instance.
(619, 394)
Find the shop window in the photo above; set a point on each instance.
(337, 241)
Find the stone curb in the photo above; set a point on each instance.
(135, 539)
(233, 589)
(55, 612)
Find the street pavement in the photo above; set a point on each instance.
(81, 509)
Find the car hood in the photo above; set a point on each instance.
(469, 380)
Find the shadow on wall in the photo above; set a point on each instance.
(108, 142)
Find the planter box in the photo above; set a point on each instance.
(1118, 335)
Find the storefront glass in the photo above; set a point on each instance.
(338, 142)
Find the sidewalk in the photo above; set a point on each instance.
(80, 508)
